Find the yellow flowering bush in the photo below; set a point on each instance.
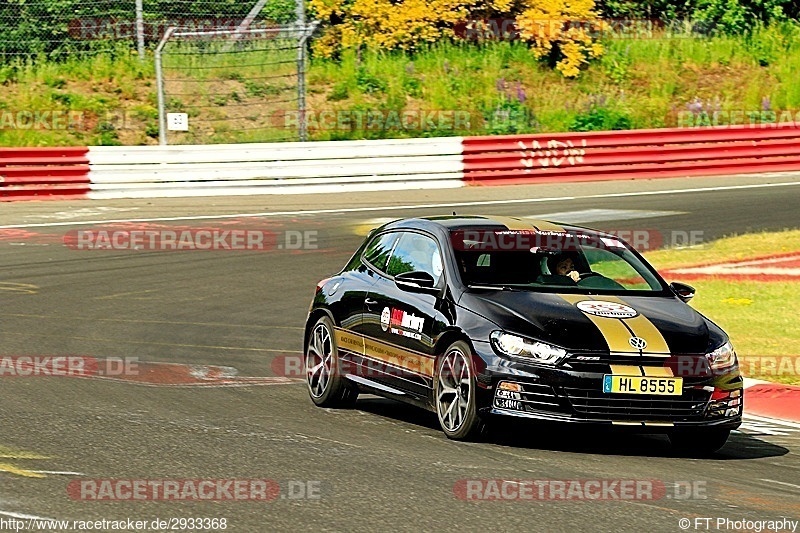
(555, 29)
(392, 24)
(562, 30)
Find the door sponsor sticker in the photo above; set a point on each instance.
(402, 323)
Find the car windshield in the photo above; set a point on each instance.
(565, 261)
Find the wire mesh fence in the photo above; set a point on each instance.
(235, 69)
(59, 28)
(233, 85)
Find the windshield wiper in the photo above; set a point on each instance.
(492, 287)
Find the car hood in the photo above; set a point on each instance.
(583, 323)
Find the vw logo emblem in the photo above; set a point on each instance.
(638, 343)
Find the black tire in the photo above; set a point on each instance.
(327, 387)
(698, 442)
(454, 396)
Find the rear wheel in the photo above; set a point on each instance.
(699, 442)
(454, 393)
(326, 385)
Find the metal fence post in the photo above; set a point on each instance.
(302, 123)
(140, 28)
(162, 116)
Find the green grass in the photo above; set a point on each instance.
(96, 93)
(731, 248)
(760, 317)
(638, 83)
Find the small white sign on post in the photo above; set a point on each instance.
(177, 121)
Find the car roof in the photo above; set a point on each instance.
(466, 222)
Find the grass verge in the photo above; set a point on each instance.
(760, 317)
(493, 88)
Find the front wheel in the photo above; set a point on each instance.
(454, 393)
(699, 442)
(326, 385)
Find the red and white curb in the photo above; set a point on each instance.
(777, 267)
(776, 401)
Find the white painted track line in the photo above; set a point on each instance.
(409, 206)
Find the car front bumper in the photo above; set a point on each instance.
(574, 394)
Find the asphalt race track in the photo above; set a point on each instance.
(380, 467)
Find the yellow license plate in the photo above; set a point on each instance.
(642, 385)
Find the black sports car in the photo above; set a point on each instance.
(478, 316)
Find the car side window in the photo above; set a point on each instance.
(416, 252)
(379, 249)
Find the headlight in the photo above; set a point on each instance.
(723, 357)
(515, 346)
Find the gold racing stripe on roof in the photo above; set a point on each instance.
(522, 224)
(543, 225)
(613, 331)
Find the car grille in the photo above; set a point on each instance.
(594, 403)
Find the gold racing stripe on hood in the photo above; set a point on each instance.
(521, 224)
(613, 330)
(642, 328)
(626, 370)
(658, 371)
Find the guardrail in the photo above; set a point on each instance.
(395, 164)
(278, 168)
(43, 173)
(632, 154)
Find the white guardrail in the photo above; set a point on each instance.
(275, 168)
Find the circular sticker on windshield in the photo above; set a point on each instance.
(607, 309)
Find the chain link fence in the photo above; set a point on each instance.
(231, 71)
(237, 85)
(53, 29)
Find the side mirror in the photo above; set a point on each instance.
(683, 291)
(416, 281)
